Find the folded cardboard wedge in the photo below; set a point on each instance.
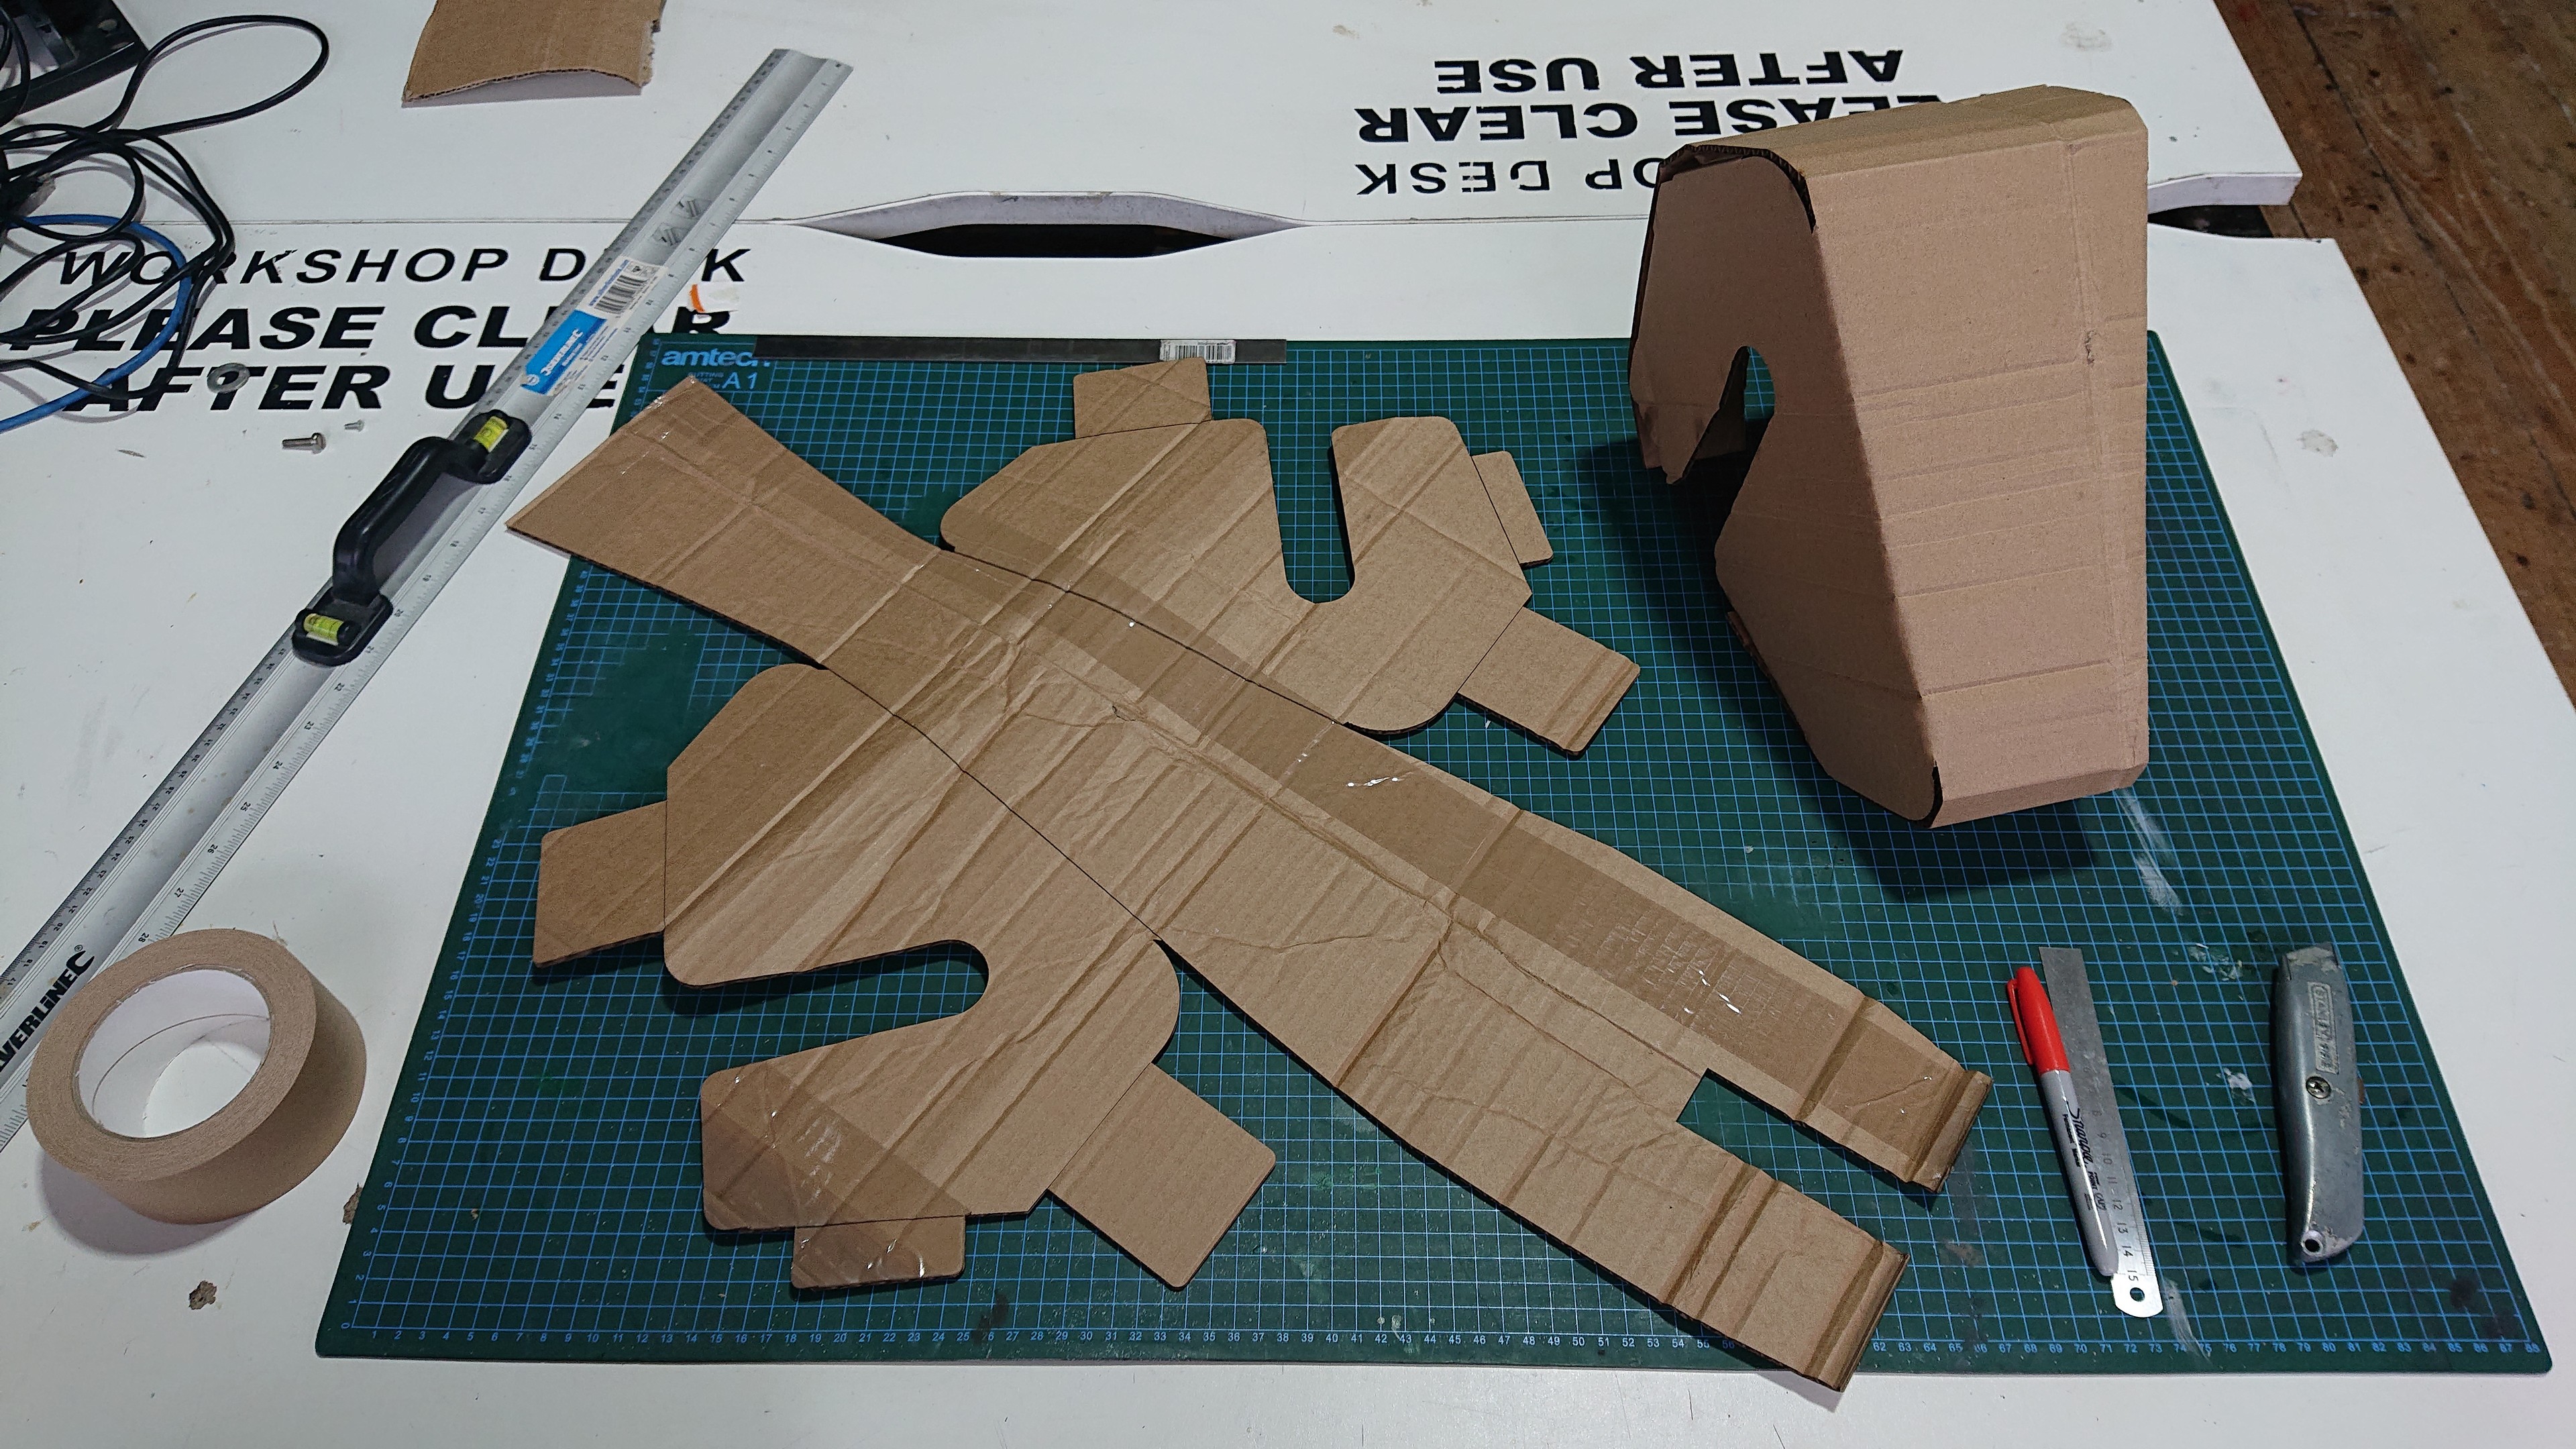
(1939, 549)
(471, 43)
(1133, 743)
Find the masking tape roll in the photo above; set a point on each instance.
(119, 1088)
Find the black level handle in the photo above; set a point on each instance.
(352, 607)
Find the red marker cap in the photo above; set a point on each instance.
(2036, 1022)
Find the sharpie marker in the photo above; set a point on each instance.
(2046, 1053)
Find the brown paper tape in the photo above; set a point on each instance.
(98, 1076)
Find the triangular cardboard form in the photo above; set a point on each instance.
(1939, 551)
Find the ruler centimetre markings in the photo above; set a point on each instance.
(161, 864)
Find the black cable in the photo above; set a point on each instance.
(147, 159)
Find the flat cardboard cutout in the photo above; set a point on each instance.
(987, 757)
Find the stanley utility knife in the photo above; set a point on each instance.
(2317, 1088)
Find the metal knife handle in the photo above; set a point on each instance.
(2316, 1084)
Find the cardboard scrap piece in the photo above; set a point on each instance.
(1173, 523)
(1939, 550)
(1527, 1006)
(469, 43)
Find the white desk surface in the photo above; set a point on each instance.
(159, 576)
(1253, 107)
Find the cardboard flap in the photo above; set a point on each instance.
(1434, 580)
(1551, 681)
(1159, 394)
(469, 43)
(1175, 526)
(1165, 1176)
(1948, 509)
(1763, 1234)
(599, 884)
(693, 496)
(861, 1255)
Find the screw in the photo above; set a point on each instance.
(2320, 1088)
(312, 444)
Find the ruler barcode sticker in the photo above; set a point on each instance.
(624, 284)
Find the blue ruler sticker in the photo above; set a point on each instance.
(577, 338)
(562, 348)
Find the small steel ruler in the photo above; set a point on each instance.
(2135, 1288)
(392, 557)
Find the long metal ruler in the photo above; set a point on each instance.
(2135, 1290)
(161, 863)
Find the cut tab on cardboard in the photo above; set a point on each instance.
(1939, 549)
(494, 50)
(1160, 511)
(1078, 742)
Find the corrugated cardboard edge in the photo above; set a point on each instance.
(468, 43)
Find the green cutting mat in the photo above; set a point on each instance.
(535, 1194)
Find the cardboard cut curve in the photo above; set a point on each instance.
(1165, 514)
(467, 44)
(987, 757)
(1939, 549)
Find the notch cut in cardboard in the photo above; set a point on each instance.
(983, 756)
(491, 50)
(1157, 509)
(1939, 549)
